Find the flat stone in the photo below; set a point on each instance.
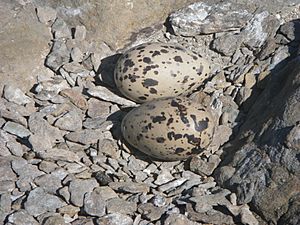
(39, 202)
(80, 33)
(78, 188)
(21, 217)
(14, 116)
(86, 136)
(16, 129)
(205, 18)
(106, 95)
(54, 220)
(76, 54)
(6, 171)
(178, 219)
(98, 108)
(164, 177)
(247, 217)
(151, 212)
(204, 167)
(16, 95)
(291, 30)
(171, 185)
(38, 125)
(118, 205)
(6, 186)
(260, 27)
(46, 15)
(58, 56)
(50, 88)
(71, 121)
(75, 97)
(206, 202)
(115, 219)
(49, 183)
(96, 123)
(15, 148)
(221, 136)
(108, 147)
(209, 217)
(25, 169)
(56, 154)
(227, 44)
(60, 29)
(94, 203)
(47, 166)
(37, 145)
(129, 187)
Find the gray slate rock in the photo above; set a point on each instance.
(115, 219)
(71, 121)
(78, 188)
(39, 202)
(291, 30)
(58, 55)
(129, 187)
(16, 129)
(49, 183)
(7, 174)
(207, 18)
(21, 217)
(14, 94)
(94, 203)
(118, 205)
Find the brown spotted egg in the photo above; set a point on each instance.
(169, 128)
(156, 70)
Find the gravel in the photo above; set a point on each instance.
(63, 159)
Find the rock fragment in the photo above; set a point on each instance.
(39, 202)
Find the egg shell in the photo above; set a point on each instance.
(169, 129)
(156, 70)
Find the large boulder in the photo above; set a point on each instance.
(263, 165)
(23, 43)
(113, 21)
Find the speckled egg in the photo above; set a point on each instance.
(156, 70)
(169, 128)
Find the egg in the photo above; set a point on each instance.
(169, 128)
(157, 70)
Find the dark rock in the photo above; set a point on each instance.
(264, 165)
(291, 30)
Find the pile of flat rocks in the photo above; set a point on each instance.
(62, 157)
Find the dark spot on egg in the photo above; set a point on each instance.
(149, 82)
(178, 59)
(153, 91)
(160, 140)
(179, 150)
(147, 60)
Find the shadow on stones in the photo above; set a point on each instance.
(259, 146)
(106, 71)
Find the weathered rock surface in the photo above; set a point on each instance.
(24, 45)
(266, 169)
(118, 19)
